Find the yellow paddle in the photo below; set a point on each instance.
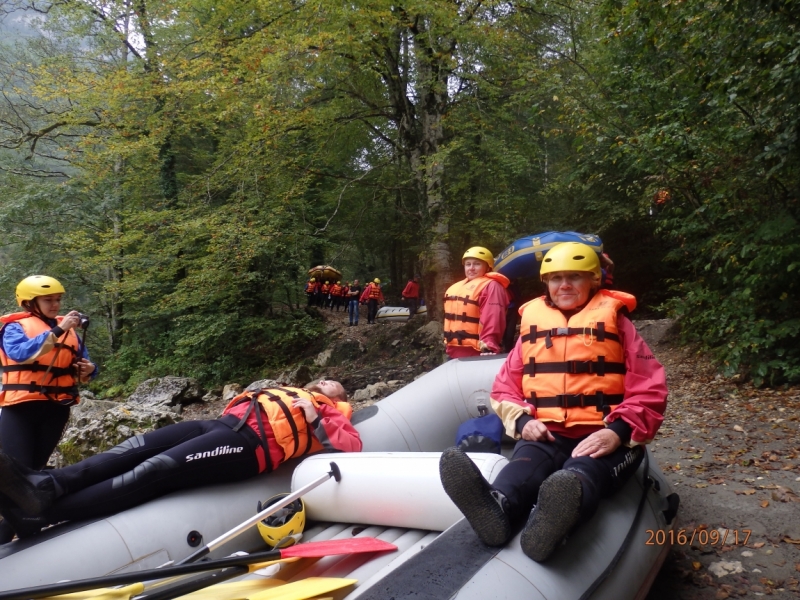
(134, 589)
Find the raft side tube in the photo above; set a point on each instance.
(391, 489)
(424, 415)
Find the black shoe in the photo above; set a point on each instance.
(21, 524)
(32, 491)
(471, 493)
(555, 514)
(7, 532)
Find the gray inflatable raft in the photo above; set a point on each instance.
(390, 491)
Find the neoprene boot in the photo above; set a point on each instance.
(484, 507)
(557, 511)
(21, 524)
(32, 491)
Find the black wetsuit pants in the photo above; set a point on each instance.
(533, 462)
(30, 431)
(372, 310)
(177, 457)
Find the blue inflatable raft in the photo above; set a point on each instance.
(524, 257)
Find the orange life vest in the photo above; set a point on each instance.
(325, 288)
(37, 379)
(374, 291)
(311, 287)
(336, 289)
(574, 370)
(462, 313)
(289, 426)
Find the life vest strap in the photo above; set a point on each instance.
(600, 401)
(575, 367)
(460, 336)
(36, 367)
(65, 347)
(463, 299)
(462, 317)
(598, 332)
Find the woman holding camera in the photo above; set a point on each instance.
(43, 360)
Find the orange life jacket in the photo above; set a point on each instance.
(37, 379)
(462, 313)
(374, 291)
(325, 288)
(311, 287)
(336, 289)
(289, 426)
(574, 370)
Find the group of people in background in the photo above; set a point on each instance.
(327, 294)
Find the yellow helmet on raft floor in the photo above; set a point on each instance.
(287, 521)
(480, 253)
(37, 285)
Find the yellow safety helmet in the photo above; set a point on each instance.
(338, 283)
(287, 521)
(376, 280)
(480, 253)
(37, 285)
(312, 279)
(570, 256)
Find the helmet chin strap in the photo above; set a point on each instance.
(33, 308)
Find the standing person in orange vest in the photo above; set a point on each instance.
(324, 291)
(343, 296)
(336, 291)
(43, 360)
(311, 290)
(258, 431)
(582, 393)
(475, 307)
(410, 295)
(372, 295)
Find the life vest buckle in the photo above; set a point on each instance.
(559, 331)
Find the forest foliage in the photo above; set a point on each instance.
(180, 164)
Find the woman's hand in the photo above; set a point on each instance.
(85, 369)
(71, 320)
(307, 407)
(536, 431)
(600, 443)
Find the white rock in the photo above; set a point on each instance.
(323, 357)
(230, 391)
(725, 567)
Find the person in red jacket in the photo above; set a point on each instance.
(582, 393)
(311, 290)
(258, 431)
(410, 295)
(372, 296)
(475, 308)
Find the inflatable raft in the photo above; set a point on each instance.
(325, 272)
(397, 314)
(391, 491)
(524, 256)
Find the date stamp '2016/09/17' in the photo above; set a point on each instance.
(702, 537)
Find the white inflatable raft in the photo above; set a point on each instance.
(391, 314)
(390, 491)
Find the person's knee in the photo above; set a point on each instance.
(151, 468)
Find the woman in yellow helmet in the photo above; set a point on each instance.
(42, 362)
(582, 393)
(475, 307)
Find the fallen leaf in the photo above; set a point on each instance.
(701, 485)
(789, 540)
(716, 480)
(722, 595)
(758, 545)
(696, 565)
(764, 503)
(797, 567)
(747, 492)
(738, 428)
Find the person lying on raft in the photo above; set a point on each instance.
(583, 392)
(253, 435)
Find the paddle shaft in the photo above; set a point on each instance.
(183, 587)
(270, 510)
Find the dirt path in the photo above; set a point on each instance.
(732, 452)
